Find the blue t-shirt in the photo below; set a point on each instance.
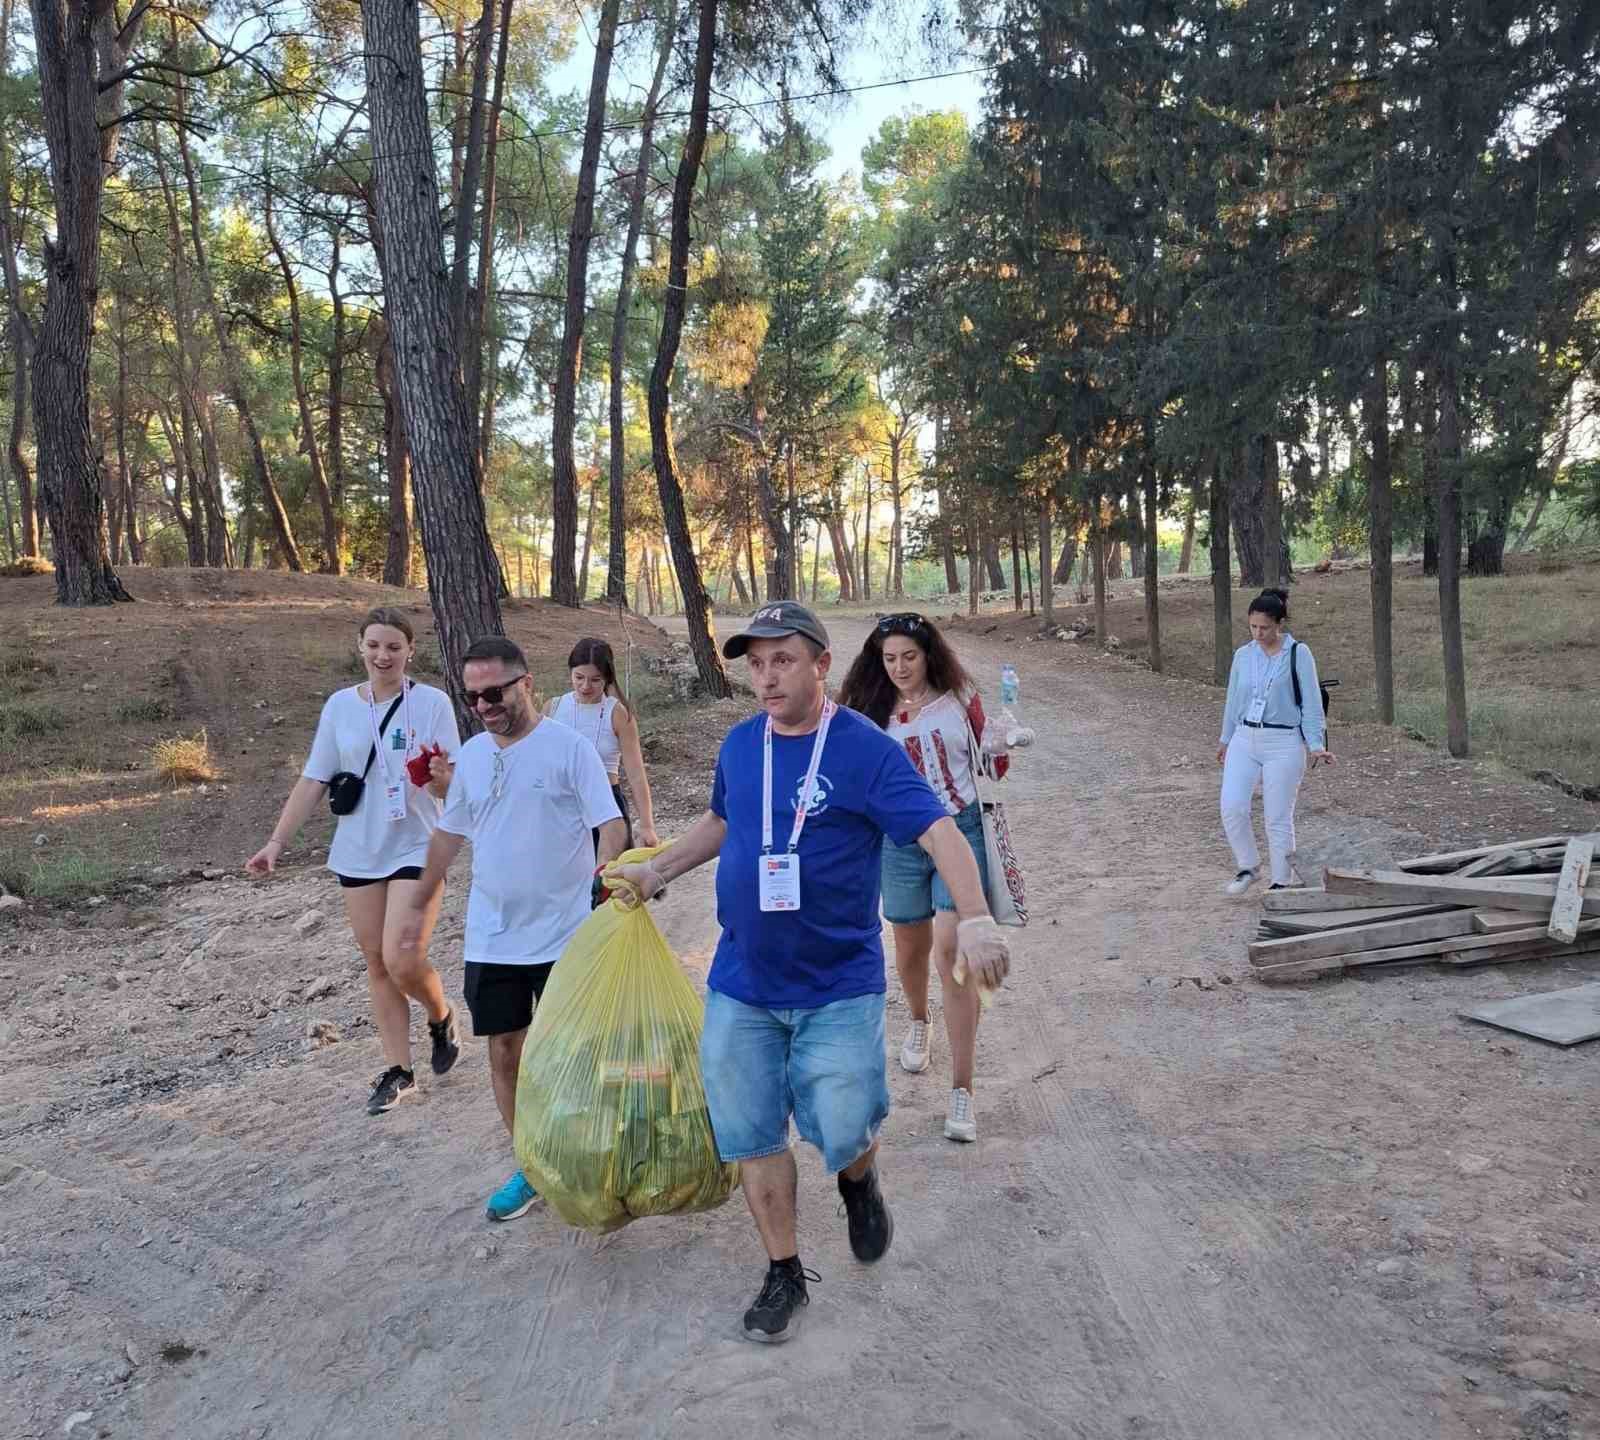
(831, 948)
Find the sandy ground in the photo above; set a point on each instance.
(1199, 1207)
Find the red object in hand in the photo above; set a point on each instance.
(605, 894)
(417, 767)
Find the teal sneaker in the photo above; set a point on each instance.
(512, 1199)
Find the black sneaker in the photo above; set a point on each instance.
(446, 1035)
(871, 1224)
(775, 1317)
(390, 1088)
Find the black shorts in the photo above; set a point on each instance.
(405, 872)
(627, 820)
(501, 997)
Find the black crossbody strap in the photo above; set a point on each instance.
(1294, 674)
(388, 715)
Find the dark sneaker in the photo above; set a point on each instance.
(390, 1088)
(775, 1317)
(446, 1036)
(871, 1224)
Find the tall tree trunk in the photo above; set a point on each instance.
(479, 303)
(232, 362)
(816, 564)
(697, 607)
(1047, 594)
(781, 538)
(865, 552)
(464, 580)
(739, 590)
(209, 479)
(1380, 532)
(1098, 556)
(467, 190)
(897, 586)
(78, 50)
(617, 571)
(750, 560)
(1016, 558)
(336, 351)
(947, 538)
(1113, 564)
(841, 548)
(19, 331)
(974, 555)
(135, 534)
(1186, 555)
(1221, 576)
(1244, 507)
(397, 464)
(991, 560)
(120, 510)
(1271, 514)
(588, 529)
(563, 459)
(1448, 481)
(332, 560)
(1152, 594)
(182, 465)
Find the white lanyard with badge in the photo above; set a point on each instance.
(1263, 673)
(394, 791)
(778, 876)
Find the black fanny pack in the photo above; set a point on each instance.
(345, 789)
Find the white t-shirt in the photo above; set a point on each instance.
(366, 846)
(532, 851)
(937, 744)
(596, 723)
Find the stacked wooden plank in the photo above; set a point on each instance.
(1526, 900)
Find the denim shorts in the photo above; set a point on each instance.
(912, 888)
(824, 1066)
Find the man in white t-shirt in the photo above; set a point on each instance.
(527, 792)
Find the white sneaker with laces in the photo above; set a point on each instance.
(917, 1053)
(961, 1124)
(1240, 882)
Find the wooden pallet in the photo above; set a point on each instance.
(1524, 900)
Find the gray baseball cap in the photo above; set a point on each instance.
(770, 622)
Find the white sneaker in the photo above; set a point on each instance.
(960, 1123)
(1240, 882)
(917, 1053)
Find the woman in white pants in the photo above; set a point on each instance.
(1267, 738)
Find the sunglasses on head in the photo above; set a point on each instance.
(908, 624)
(493, 694)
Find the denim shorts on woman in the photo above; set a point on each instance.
(912, 888)
(824, 1066)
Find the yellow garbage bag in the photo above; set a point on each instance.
(611, 1117)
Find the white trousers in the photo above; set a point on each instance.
(1276, 760)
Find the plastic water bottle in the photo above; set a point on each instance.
(1017, 736)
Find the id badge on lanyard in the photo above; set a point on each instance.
(778, 876)
(1258, 708)
(394, 791)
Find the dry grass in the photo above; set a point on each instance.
(1532, 642)
(185, 760)
(27, 565)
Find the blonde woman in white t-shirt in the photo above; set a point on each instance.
(908, 681)
(596, 708)
(380, 846)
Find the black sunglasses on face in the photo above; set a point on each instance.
(908, 624)
(493, 694)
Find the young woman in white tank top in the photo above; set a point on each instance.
(595, 708)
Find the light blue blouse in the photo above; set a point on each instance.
(1252, 668)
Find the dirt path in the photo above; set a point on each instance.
(1199, 1208)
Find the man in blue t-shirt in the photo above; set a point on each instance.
(803, 798)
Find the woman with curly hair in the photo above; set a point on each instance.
(908, 681)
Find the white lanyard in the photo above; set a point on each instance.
(377, 734)
(804, 805)
(1263, 671)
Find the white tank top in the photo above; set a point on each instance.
(594, 723)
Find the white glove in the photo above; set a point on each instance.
(982, 952)
(632, 885)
